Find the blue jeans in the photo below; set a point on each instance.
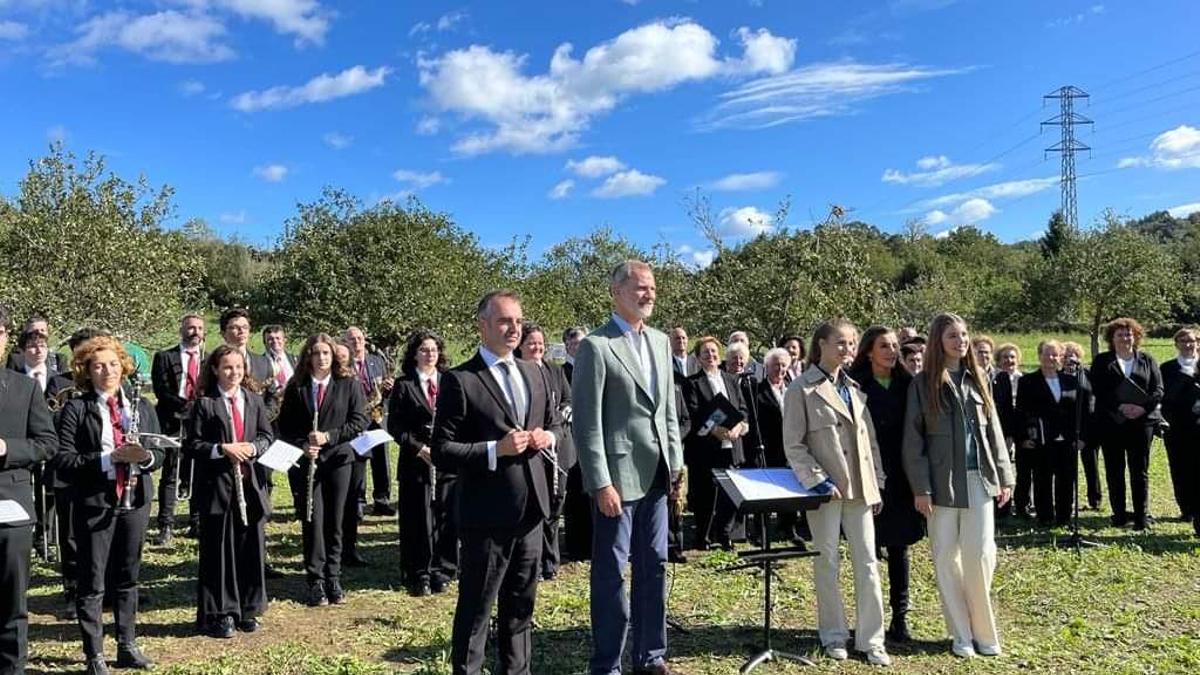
(638, 533)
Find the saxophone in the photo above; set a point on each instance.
(375, 400)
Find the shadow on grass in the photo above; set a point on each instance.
(1160, 539)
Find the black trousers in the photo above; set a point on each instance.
(68, 547)
(1183, 457)
(322, 538)
(1025, 462)
(1129, 444)
(417, 528)
(716, 517)
(353, 512)
(897, 564)
(444, 566)
(16, 545)
(1089, 456)
(381, 487)
(1054, 481)
(232, 581)
(577, 517)
(553, 523)
(108, 538)
(498, 568)
(167, 485)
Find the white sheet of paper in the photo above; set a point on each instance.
(159, 441)
(11, 511)
(369, 439)
(280, 456)
(757, 484)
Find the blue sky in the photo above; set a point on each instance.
(552, 118)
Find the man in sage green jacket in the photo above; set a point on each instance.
(627, 436)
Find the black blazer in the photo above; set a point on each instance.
(54, 362)
(1058, 418)
(568, 371)
(471, 411)
(1006, 404)
(768, 430)
(410, 422)
(1181, 398)
(1107, 375)
(209, 423)
(78, 458)
(166, 373)
(342, 415)
(28, 432)
(690, 367)
(559, 389)
(706, 451)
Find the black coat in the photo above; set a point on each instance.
(209, 423)
(471, 411)
(898, 523)
(410, 422)
(765, 430)
(706, 451)
(1107, 375)
(342, 416)
(1042, 415)
(1181, 398)
(166, 373)
(28, 433)
(559, 388)
(1003, 395)
(79, 448)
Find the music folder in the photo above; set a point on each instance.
(1129, 392)
(718, 412)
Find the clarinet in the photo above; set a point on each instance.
(239, 489)
(131, 438)
(312, 474)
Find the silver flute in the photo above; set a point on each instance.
(312, 475)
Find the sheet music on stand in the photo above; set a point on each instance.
(756, 484)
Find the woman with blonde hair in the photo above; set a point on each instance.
(957, 465)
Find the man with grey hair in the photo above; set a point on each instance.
(627, 436)
(571, 338)
(753, 368)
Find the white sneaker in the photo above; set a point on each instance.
(878, 656)
(836, 652)
(987, 650)
(962, 651)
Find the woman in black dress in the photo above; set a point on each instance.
(884, 380)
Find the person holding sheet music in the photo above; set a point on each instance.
(830, 443)
(1128, 387)
(884, 381)
(323, 410)
(228, 429)
(110, 474)
(709, 447)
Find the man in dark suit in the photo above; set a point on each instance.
(494, 420)
(577, 505)
(26, 439)
(175, 375)
(235, 331)
(1181, 408)
(283, 364)
(683, 363)
(38, 324)
(571, 338)
(372, 372)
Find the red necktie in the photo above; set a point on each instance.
(239, 427)
(193, 373)
(431, 393)
(320, 395)
(118, 434)
(362, 375)
(280, 376)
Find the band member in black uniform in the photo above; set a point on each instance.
(1089, 456)
(577, 505)
(33, 363)
(37, 323)
(533, 348)
(1050, 408)
(426, 536)
(174, 374)
(26, 439)
(1181, 407)
(373, 372)
(226, 432)
(884, 379)
(109, 473)
(494, 420)
(283, 364)
(716, 518)
(1128, 388)
(322, 411)
(1004, 393)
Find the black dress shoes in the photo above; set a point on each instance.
(675, 555)
(249, 625)
(383, 509)
(221, 627)
(163, 537)
(316, 595)
(420, 589)
(270, 572)
(97, 666)
(337, 595)
(129, 656)
(438, 584)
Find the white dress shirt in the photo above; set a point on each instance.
(281, 362)
(717, 382)
(184, 357)
(241, 408)
(1126, 365)
(38, 374)
(639, 343)
(518, 389)
(107, 445)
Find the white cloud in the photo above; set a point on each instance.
(594, 166)
(305, 19)
(1006, 190)
(561, 189)
(419, 27)
(324, 87)
(272, 173)
(417, 180)
(1184, 210)
(57, 134)
(13, 31)
(428, 126)
(736, 182)
(698, 258)
(1077, 18)
(936, 170)
(818, 90)
(170, 36)
(191, 87)
(337, 140)
(746, 221)
(970, 212)
(628, 184)
(450, 20)
(233, 217)
(547, 112)
(1177, 148)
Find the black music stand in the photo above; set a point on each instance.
(766, 491)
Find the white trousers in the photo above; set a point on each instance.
(964, 558)
(827, 522)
